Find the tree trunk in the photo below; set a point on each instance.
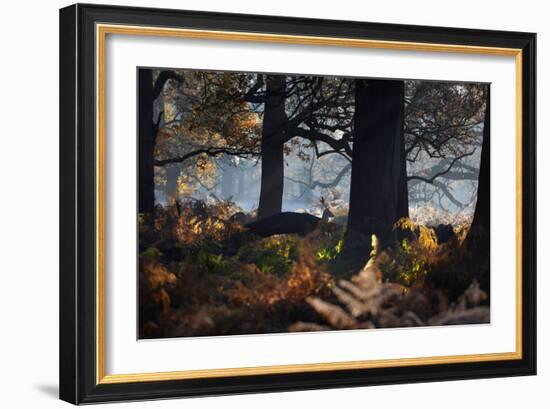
(240, 183)
(228, 179)
(482, 212)
(172, 174)
(477, 240)
(146, 143)
(378, 191)
(272, 179)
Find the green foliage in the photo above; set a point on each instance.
(406, 246)
(269, 261)
(151, 252)
(275, 254)
(213, 262)
(330, 253)
(408, 263)
(412, 267)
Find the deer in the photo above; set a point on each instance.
(290, 222)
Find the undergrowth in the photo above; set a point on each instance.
(202, 273)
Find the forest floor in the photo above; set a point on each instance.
(201, 273)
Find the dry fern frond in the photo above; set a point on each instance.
(336, 316)
(367, 302)
(307, 327)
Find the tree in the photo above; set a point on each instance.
(306, 107)
(443, 123)
(172, 175)
(245, 116)
(149, 91)
(146, 189)
(378, 193)
(206, 126)
(305, 111)
(481, 223)
(442, 130)
(273, 127)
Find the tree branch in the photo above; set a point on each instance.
(318, 183)
(443, 172)
(448, 193)
(161, 81)
(251, 95)
(156, 126)
(313, 135)
(207, 151)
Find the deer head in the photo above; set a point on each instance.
(327, 214)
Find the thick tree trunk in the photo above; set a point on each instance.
(146, 143)
(272, 179)
(482, 213)
(378, 191)
(477, 240)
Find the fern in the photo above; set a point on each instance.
(366, 301)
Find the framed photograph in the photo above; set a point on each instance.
(257, 203)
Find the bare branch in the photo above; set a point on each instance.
(318, 183)
(207, 151)
(313, 135)
(251, 95)
(443, 172)
(161, 81)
